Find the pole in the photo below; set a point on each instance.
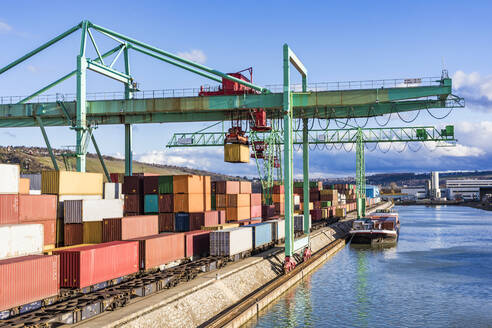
(305, 168)
(81, 123)
(128, 127)
(289, 229)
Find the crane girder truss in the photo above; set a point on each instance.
(329, 136)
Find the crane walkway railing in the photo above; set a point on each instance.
(193, 92)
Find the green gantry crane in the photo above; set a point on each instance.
(82, 110)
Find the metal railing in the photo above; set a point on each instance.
(193, 92)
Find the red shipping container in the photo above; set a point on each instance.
(316, 214)
(160, 249)
(317, 205)
(255, 199)
(278, 189)
(37, 208)
(166, 203)
(73, 234)
(132, 185)
(227, 187)
(267, 211)
(314, 196)
(166, 222)
(197, 243)
(130, 227)
(89, 265)
(256, 211)
(151, 185)
(117, 177)
(9, 209)
(133, 204)
(203, 219)
(222, 216)
(27, 279)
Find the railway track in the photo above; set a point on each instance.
(74, 306)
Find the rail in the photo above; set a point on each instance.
(193, 92)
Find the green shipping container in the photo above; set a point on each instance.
(166, 184)
(214, 203)
(151, 203)
(326, 204)
(298, 184)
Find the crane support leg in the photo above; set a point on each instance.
(48, 145)
(360, 168)
(81, 122)
(289, 58)
(305, 167)
(128, 150)
(101, 159)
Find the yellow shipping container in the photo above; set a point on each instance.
(92, 232)
(341, 212)
(311, 206)
(236, 153)
(221, 226)
(50, 251)
(71, 183)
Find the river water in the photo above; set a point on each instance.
(439, 275)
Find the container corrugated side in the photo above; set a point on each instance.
(238, 200)
(151, 185)
(63, 198)
(160, 249)
(229, 242)
(49, 231)
(27, 279)
(24, 186)
(166, 203)
(37, 208)
(130, 227)
(21, 240)
(10, 175)
(262, 233)
(166, 184)
(73, 234)
(89, 265)
(71, 183)
(188, 184)
(245, 187)
(78, 211)
(92, 232)
(188, 203)
(227, 187)
(9, 209)
(151, 203)
(203, 219)
(166, 222)
(181, 222)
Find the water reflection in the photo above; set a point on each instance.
(438, 275)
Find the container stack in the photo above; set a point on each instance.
(278, 198)
(238, 200)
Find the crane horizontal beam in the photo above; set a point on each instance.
(330, 136)
(322, 104)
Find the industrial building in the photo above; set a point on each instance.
(466, 189)
(415, 192)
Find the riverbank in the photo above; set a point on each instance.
(198, 301)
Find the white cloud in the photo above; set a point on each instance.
(460, 151)
(476, 89)
(4, 27)
(196, 55)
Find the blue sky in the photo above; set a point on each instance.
(336, 40)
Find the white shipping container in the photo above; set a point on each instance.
(9, 179)
(280, 229)
(297, 200)
(232, 241)
(20, 240)
(63, 198)
(77, 211)
(34, 192)
(112, 190)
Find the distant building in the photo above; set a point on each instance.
(372, 191)
(415, 192)
(466, 189)
(435, 191)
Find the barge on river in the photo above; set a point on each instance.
(380, 228)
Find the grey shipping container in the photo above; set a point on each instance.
(230, 242)
(34, 180)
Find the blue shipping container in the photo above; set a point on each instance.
(151, 203)
(181, 222)
(262, 233)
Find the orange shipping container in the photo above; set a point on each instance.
(238, 200)
(188, 184)
(207, 185)
(255, 200)
(278, 198)
(24, 186)
(245, 187)
(188, 202)
(207, 201)
(238, 213)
